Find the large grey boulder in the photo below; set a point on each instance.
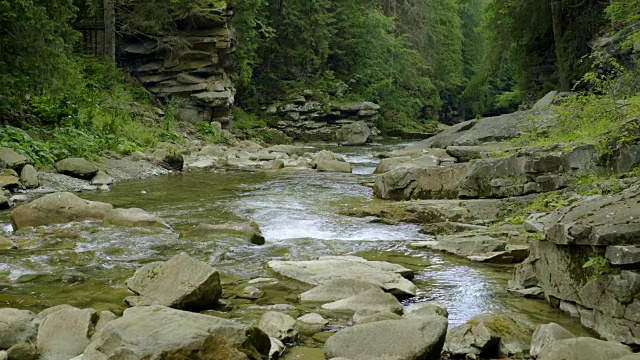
(10, 159)
(371, 301)
(469, 245)
(64, 334)
(181, 282)
(245, 230)
(29, 177)
(317, 272)
(58, 208)
(17, 326)
(390, 339)
(584, 348)
(77, 167)
(420, 182)
(355, 133)
(337, 289)
(134, 217)
(278, 325)
(176, 335)
(546, 334)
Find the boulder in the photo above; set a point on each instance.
(287, 149)
(10, 159)
(498, 128)
(356, 133)
(275, 164)
(65, 334)
(387, 276)
(29, 177)
(101, 178)
(134, 217)
(176, 335)
(427, 308)
(250, 293)
(545, 335)
(9, 182)
(278, 325)
(169, 158)
(469, 245)
(104, 318)
(420, 182)
(333, 166)
(584, 348)
(5, 202)
(22, 351)
(76, 167)
(472, 339)
(326, 155)
(58, 208)
(626, 159)
(5, 243)
(337, 289)
(245, 230)
(515, 336)
(372, 301)
(390, 339)
(181, 282)
(17, 326)
(391, 163)
(310, 323)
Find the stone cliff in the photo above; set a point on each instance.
(190, 66)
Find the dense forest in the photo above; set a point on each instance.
(421, 60)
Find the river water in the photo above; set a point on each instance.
(85, 265)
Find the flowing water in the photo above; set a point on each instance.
(85, 265)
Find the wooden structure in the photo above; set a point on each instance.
(99, 33)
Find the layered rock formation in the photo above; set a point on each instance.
(588, 264)
(304, 119)
(193, 71)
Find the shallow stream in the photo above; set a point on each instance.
(85, 265)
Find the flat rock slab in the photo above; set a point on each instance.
(336, 289)
(470, 245)
(597, 220)
(181, 282)
(245, 230)
(317, 272)
(157, 332)
(390, 339)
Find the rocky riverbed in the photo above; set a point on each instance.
(252, 252)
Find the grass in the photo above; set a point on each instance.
(584, 118)
(97, 114)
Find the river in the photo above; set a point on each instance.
(85, 265)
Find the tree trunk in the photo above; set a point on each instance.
(109, 30)
(561, 57)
